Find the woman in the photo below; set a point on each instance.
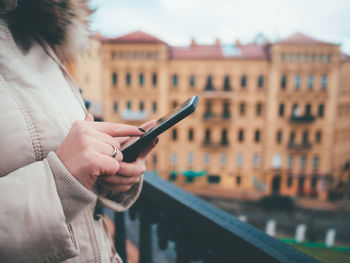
(53, 155)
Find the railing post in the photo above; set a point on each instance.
(120, 235)
(145, 242)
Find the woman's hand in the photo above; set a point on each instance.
(129, 173)
(87, 149)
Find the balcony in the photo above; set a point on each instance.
(215, 145)
(299, 146)
(210, 92)
(129, 115)
(302, 119)
(208, 116)
(200, 231)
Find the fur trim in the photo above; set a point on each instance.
(63, 24)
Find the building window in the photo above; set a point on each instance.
(224, 140)
(320, 110)
(206, 158)
(208, 112)
(257, 136)
(128, 79)
(154, 106)
(295, 110)
(154, 79)
(260, 81)
(320, 58)
(239, 160)
(115, 106)
(175, 80)
(242, 108)
(283, 81)
(174, 104)
(128, 105)
(283, 57)
(297, 79)
(226, 110)
(256, 160)
(190, 159)
(114, 79)
(324, 82)
(192, 81)
(223, 159)
(292, 137)
(290, 161)
(281, 110)
(310, 82)
(315, 162)
(190, 135)
(313, 57)
(276, 161)
(154, 159)
(329, 58)
(240, 135)
(227, 85)
(174, 134)
(308, 109)
(142, 106)
(141, 79)
(173, 159)
(209, 85)
(213, 179)
(305, 137)
(289, 181)
(258, 109)
(279, 137)
(243, 81)
(302, 162)
(318, 136)
(207, 136)
(238, 180)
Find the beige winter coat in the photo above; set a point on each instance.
(46, 215)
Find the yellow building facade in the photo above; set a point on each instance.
(270, 118)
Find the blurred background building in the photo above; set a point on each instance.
(271, 118)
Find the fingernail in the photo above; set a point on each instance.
(143, 130)
(157, 140)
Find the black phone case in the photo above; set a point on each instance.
(132, 152)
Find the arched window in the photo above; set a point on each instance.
(190, 135)
(258, 109)
(321, 110)
(207, 136)
(154, 79)
(174, 134)
(141, 79)
(242, 108)
(279, 137)
(281, 110)
(283, 81)
(243, 81)
(114, 79)
(226, 110)
(192, 80)
(257, 136)
(260, 81)
(224, 140)
(227, 83)
(209, 85)
(175, 80)
(142, 106)
(128, 79)
(241, 135)
(308, 109)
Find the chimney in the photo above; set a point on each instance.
(217, 42)
(237, 43)
(193, 42)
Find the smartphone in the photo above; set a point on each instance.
(132, 150)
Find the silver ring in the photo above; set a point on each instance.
(115, 151)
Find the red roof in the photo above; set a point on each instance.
(135, 37)
(197, 51)
(299, 38)
(345, 57)
(253, 50)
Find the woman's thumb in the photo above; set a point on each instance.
(89, 117)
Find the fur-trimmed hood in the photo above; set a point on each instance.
(63, 24)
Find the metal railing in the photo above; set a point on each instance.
(200, 231)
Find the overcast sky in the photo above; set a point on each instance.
(177, 21)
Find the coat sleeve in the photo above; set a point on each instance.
(38, 202)
(121, 202)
